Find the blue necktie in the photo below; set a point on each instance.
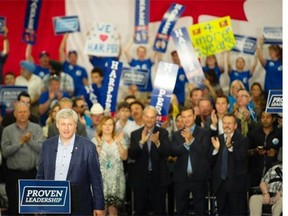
(224, 171)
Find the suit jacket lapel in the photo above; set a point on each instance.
(75, 155)
(54, 147)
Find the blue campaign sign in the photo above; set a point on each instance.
(32, 16)
(274, 101)
(167, 24)
(44, 196)
(110, 86)
(245, 44)
(66, 24)
(142, 9)
(189, 61)
(133, 76)
(2, 24)
(164, 85)
(272, 35)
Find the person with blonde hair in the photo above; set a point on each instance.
(235, 86)
(112, 150)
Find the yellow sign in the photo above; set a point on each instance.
(212, 37)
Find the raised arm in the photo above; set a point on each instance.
(229, 63)
(62, 54)
(6, 47)
(221, 62)
(259, 52)
(28, 53)
(255, 61)
(127, 51)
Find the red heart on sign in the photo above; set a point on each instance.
(103, 37)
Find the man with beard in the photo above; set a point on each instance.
(136, 109)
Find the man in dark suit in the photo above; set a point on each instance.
(66, 103)
(74, 158)
(150, 175)
(229, 174)
(191, 146)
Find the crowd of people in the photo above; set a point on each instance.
(211, 144)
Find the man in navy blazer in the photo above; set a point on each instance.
(192, 147)
(73, 158)
(230, 168)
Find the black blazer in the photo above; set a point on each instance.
(160, 173)
(237, 163)
(200, 153)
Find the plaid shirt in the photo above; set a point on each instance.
(271, 174)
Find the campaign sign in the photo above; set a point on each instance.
(2, 24)
(133, 76)
(164, 85)
(111, 85)
(66, 24)
(8, 95)
(167, 24)
(209, 38)
(272, 35)
(44, 196)
(189, 61)
(31, 21)
(274, 101)
(103, 41)
(245, 44)
(142, 9)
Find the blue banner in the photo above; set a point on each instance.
(274, 101)
(272, 35)
(66, 24)
(169, 20)
(188, 58)
(133, 76)
(2, 24)
(110, 86)
(142, 9)
(31, 21)
(245, 44)
(44, 196)
(164, 85)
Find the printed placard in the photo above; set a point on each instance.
(245, 44)
(142, 12)
(66, 24)
(2, 24)
(209, 38)
(31, 21)
(111, 86)
(167, 24)
(133, 76)
(189, 61)
(103, 41)
(274, 101)
(164, 85)
(272, 35)
(44, 196)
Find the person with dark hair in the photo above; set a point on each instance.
(194, 96)
(258, 98)
(10, 118)
(92, 93)
(130, 98)
(212, 64)
(4, 52)
(70, 66)
(136, 110)
(229, 168)
(273, 67)
(264, 144)
(43, 68)
(191, 145)
(79, 106)
(9, 78)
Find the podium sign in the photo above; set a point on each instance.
(44, 196)
(274, 101)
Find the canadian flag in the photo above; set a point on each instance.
(248, 18)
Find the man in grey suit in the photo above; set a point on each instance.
(73, 158)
